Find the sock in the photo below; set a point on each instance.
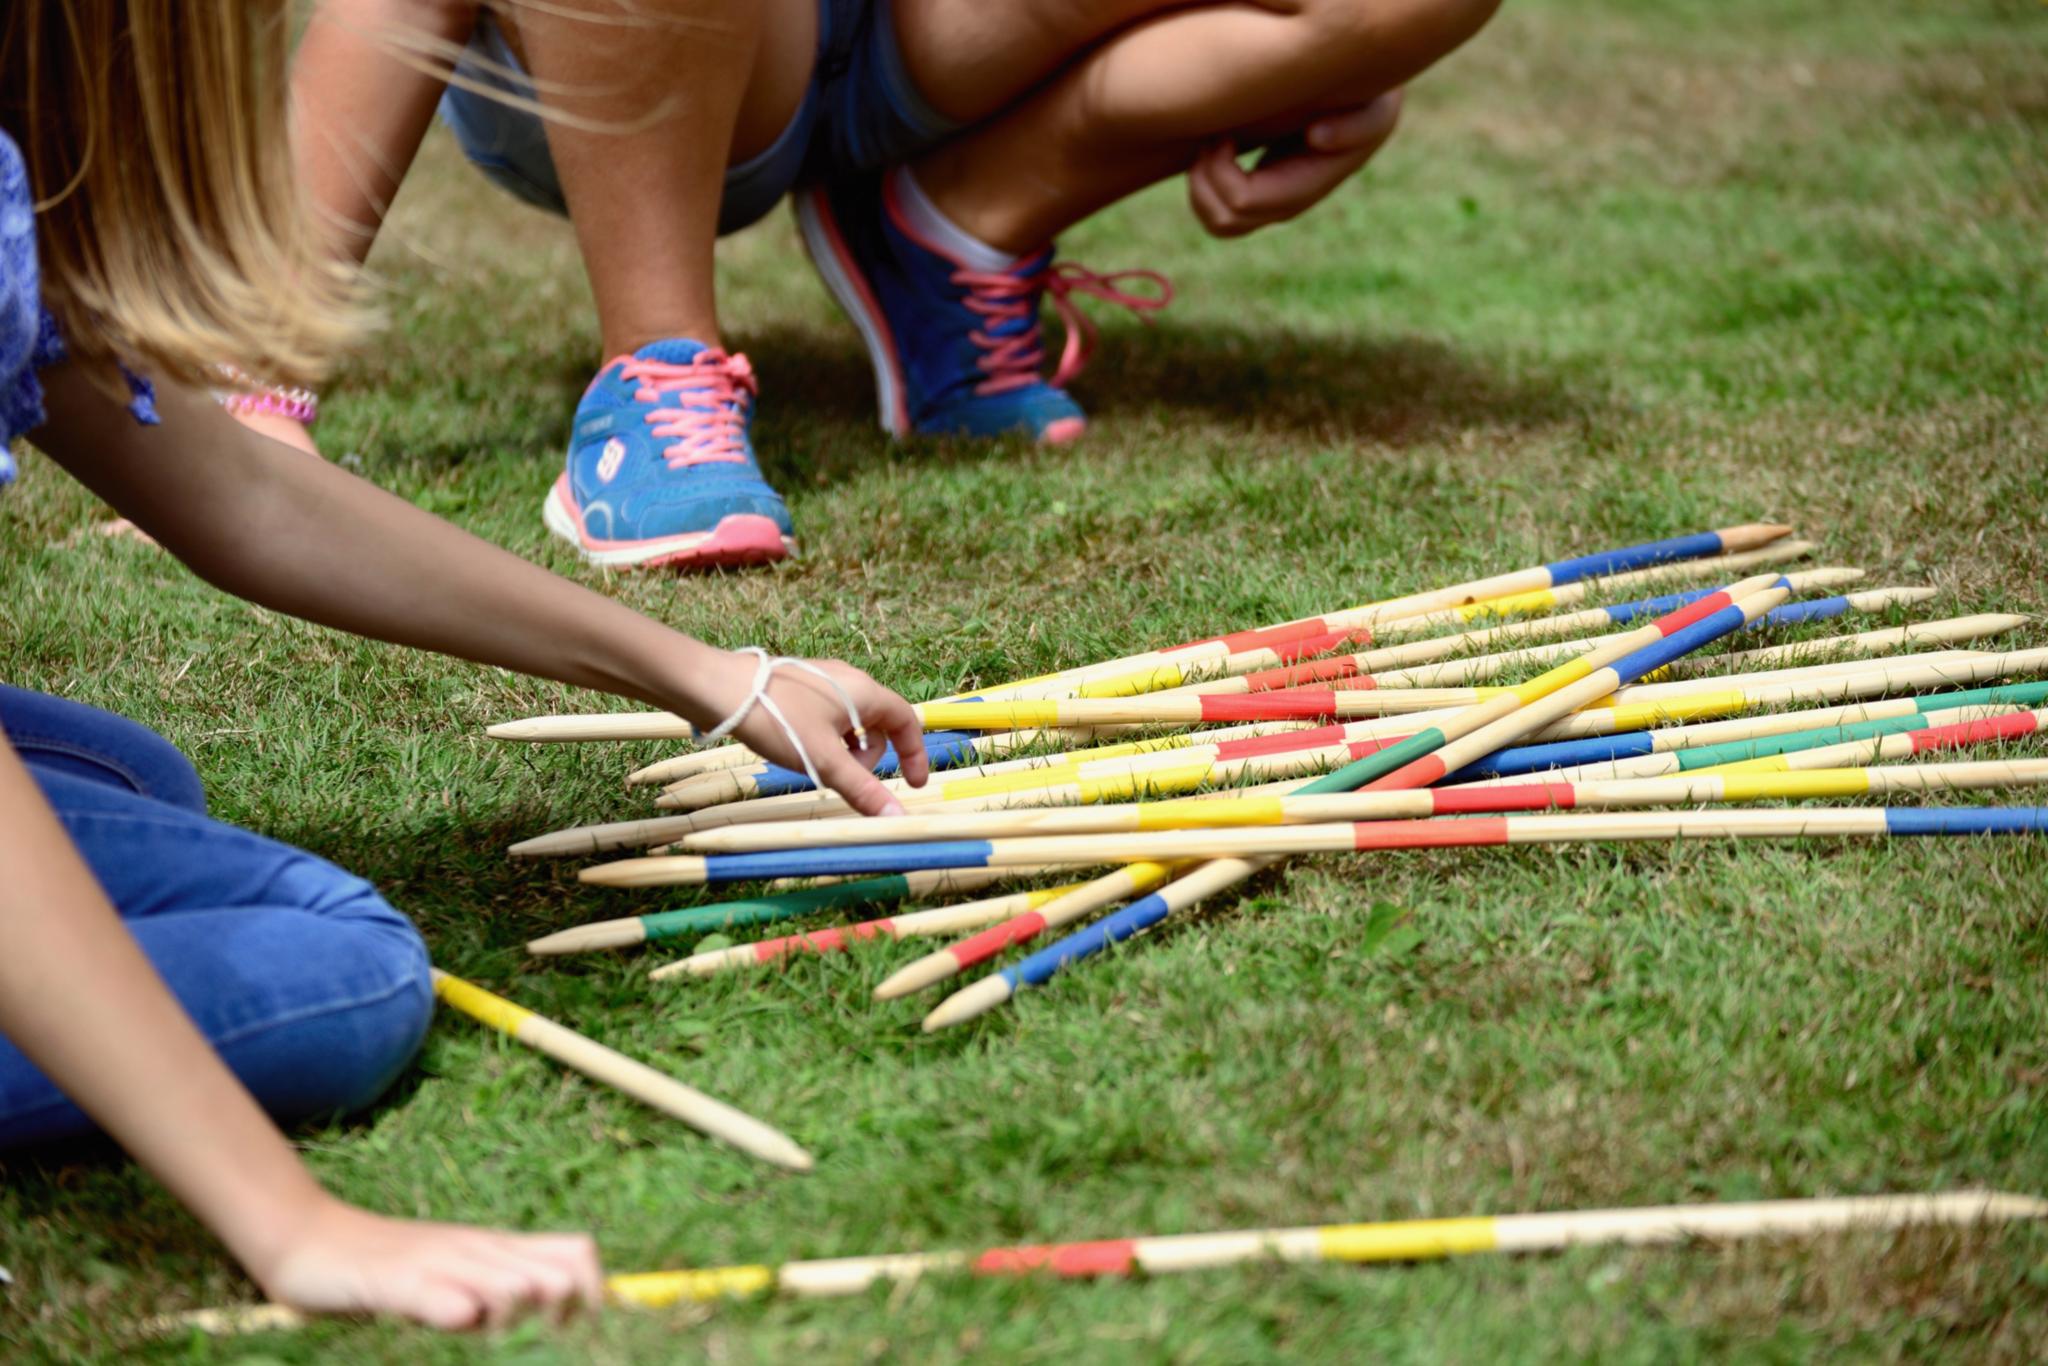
(942, 232)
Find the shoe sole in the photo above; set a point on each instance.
(737, 541)
(849, 289)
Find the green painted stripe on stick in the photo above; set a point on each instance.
(768, 909)
(1735, 751)
(2019, 694)
(1378, 764)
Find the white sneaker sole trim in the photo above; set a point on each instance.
(820, 242)
(559, 521)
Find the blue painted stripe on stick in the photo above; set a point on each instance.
(1517, 759)
(944, 748)
(851, 859)
(1040, 967)
(1651, 658)
(1967, 820)
(1813, 609)
(1624, 612)
(1635, 557)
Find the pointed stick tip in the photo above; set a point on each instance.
(600, 934)
(927, 971)
(967, 1003)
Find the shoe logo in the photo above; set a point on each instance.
(608, 463)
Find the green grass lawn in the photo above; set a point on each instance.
(1629, 270)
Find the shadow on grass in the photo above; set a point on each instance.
(818, 412)
(1396, 390)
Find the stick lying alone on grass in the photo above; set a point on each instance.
(1407, 1240)
(616, 1070)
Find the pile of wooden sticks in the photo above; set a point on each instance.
(1377, 727)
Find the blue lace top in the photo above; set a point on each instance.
(28, 334)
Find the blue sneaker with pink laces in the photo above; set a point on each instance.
(661, 469)
(955, 343)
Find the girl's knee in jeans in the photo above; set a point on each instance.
(360, 1049)
(99, 746)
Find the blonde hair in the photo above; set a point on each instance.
(172, 232)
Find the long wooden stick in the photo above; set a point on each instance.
(1592, 758)
(1536, 580)
(1406, 1240)
(1428, 768)
(1234, 847)
(1618, 715)
(621, 1073)
(1138, 877)
(1405, 764)
(1723, 568)
(767, 910)
(1397, 691)
(1529, 794)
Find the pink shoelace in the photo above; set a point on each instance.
(1006, 296)
(717, 392)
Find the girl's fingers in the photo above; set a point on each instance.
(575, 1253)
(896, 719)
(439, 1302)
(862, 790)
(1205, 193)
(1360, 129)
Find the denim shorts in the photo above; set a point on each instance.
(859, 112)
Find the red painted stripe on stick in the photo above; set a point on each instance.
(1112, 1257)
(1452, 801)
(996, 938)
(1268, 638)
(1373, 744)
(1692, 612)
(821, 941)
(1294, 675)
(1323, 644)
(1282, 743)
(1273, 706)
(1428, 834)
(1970, 732)
(1415, 773)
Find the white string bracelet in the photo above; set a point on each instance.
(757, 696)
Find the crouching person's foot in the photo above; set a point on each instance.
(951, 323)
(661, 467)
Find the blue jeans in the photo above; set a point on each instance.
(312, 989)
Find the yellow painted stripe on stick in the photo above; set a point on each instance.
(654, 1289)
(1216, 813)
(1131, 684)
(1535, 600)
(1168, 778)
(1549, 681)
(1685, 707)
(480, 1005)
(1419, 1240)
(1820, 782)
(1052, 775)
(979, 715)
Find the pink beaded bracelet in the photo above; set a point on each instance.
(251, 398)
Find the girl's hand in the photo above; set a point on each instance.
(1231, 201)
(818, 716)
(343, 1260)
